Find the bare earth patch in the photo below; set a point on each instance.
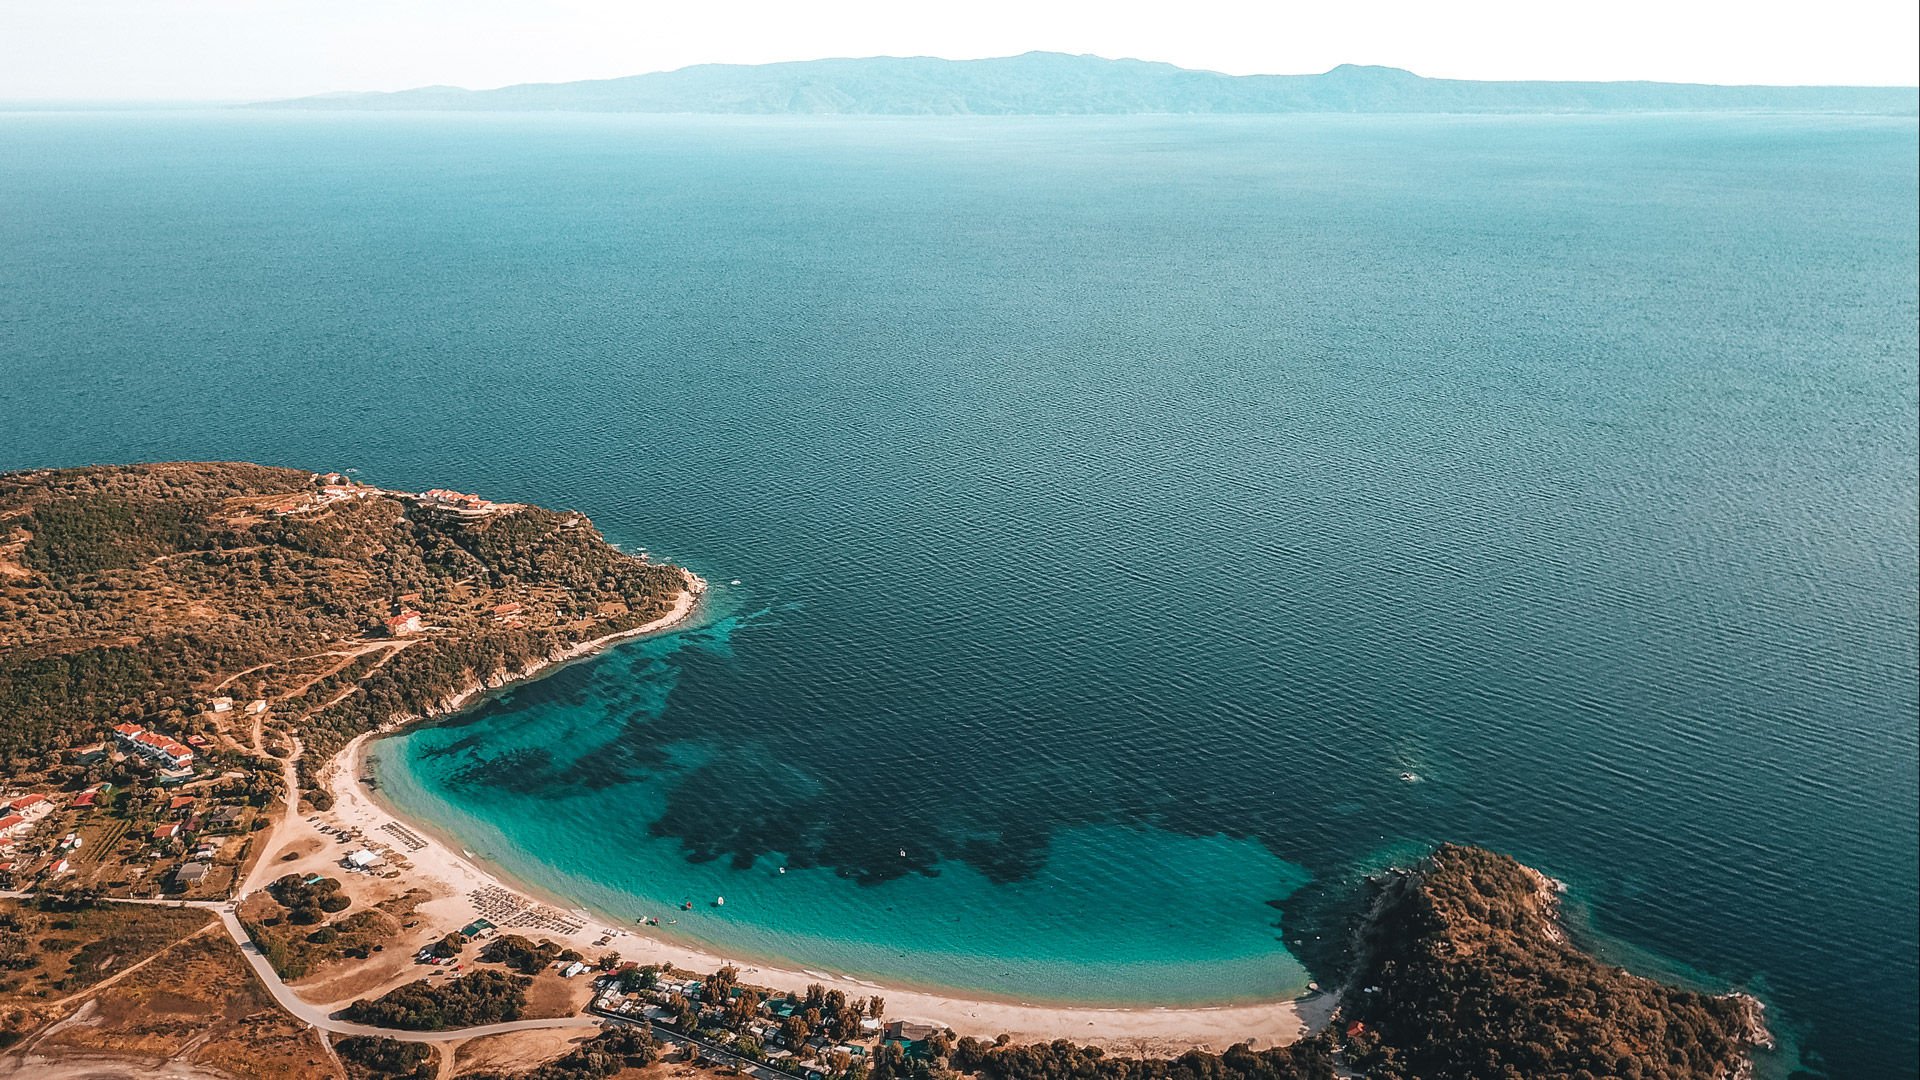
(196, 1011)
(516, 1050)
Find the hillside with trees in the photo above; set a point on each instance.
(1465, 972)
(156, 594)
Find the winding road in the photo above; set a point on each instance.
(307, 1012)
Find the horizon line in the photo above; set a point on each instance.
(251, 99)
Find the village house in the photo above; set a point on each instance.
(154, 746)
(222, 704)
(407, 622)
(190, 874)
(13, 825)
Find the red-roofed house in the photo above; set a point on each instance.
(407, 622)
(181, 802)
(12, 823)
(86, 798)
(154, 746)
(26, 802)
(165, 750)
(167, 832)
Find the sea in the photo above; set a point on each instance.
(1125, 533)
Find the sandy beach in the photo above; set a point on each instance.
(464, 890)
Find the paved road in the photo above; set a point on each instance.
(708, 1050)
(310, 1013)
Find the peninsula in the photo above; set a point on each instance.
(192, 657)
(1058, 84)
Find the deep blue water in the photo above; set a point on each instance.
(1121, 506)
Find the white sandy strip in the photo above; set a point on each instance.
(453, 878)
(683, 606)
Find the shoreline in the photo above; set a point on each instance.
(1172, 1029)
(683, 608)
(454, 876)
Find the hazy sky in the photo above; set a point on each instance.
(243, 49)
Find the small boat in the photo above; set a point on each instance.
(686, 905)
(783, 869)
(1410, 778)
(735, 581)
(719, 901)
(903, 853)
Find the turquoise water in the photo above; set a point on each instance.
(1114, 915)
(1121, 506)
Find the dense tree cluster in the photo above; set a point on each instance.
(370, 1057)
(1311, 1059)
(820, 1011)
(309, 902)
(524, 956)
(1464, 973)
(484, 997)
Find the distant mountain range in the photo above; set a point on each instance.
(1041, 83)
